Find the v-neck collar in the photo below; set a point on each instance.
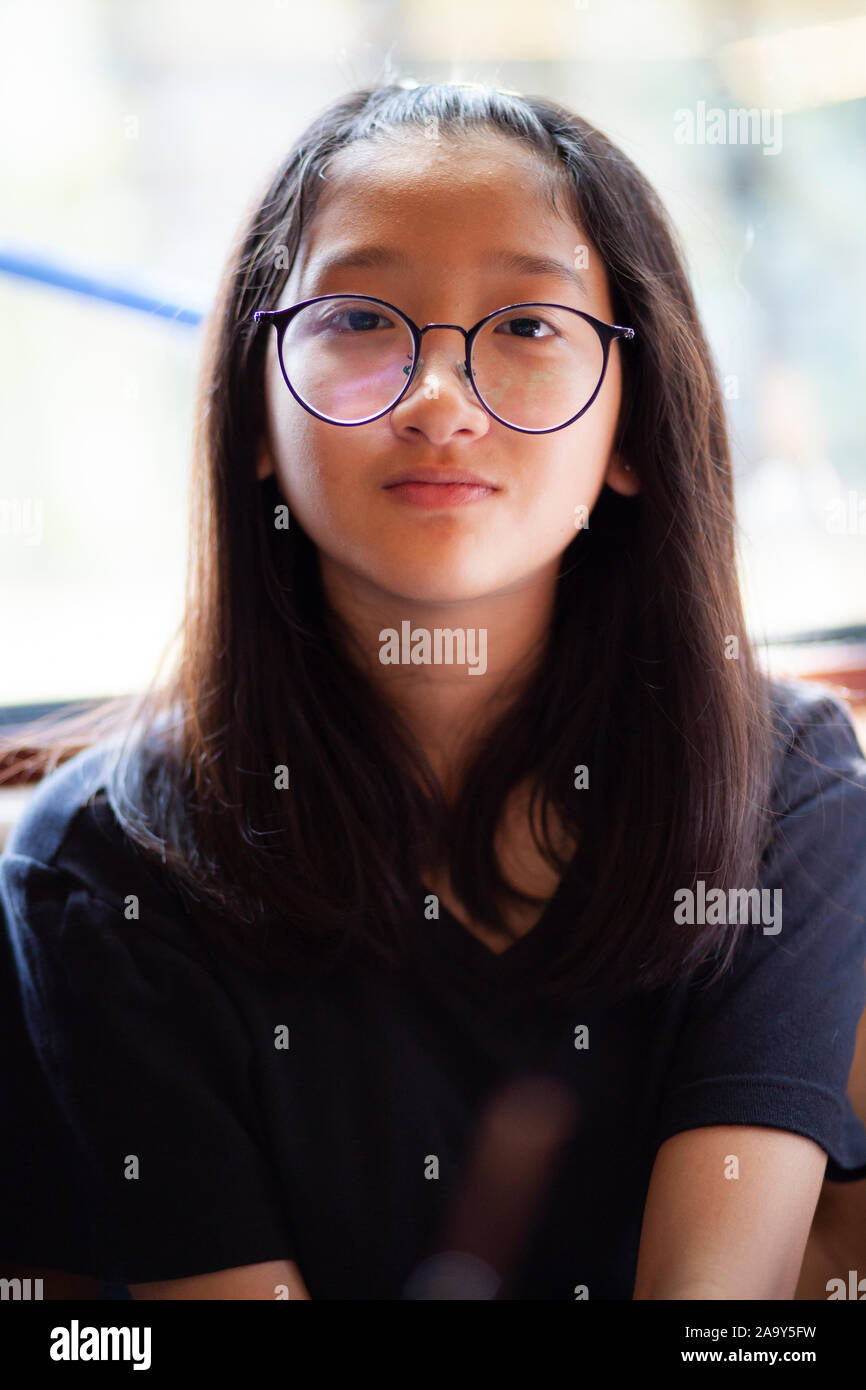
(448, 936)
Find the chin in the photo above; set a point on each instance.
(425, 590)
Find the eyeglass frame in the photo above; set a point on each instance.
(281, 318)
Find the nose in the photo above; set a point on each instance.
(440, 401)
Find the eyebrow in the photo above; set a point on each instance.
(513, 262)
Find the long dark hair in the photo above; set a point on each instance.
(638, 681)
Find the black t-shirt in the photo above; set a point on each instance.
(173, 1114)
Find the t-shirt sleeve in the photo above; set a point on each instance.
(772, 1042)
(139, 1147)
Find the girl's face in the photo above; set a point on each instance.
(447, 211)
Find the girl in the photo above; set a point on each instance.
(467, 915)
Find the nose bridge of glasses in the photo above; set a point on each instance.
(461, 361)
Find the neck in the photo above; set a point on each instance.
(449, 668)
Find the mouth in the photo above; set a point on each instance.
(440, 477)
(435, 488)
(439, 495)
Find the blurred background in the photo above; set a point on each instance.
(133, 134)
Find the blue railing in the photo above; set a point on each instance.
(62, 277)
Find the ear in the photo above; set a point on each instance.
(264, 462)
(621, 476)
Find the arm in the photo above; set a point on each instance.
(246, 1281)
(837, 1240)
(705, 1235)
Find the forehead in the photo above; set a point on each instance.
(410, 159)
(447, 201)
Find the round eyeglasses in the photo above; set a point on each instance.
(348, 359)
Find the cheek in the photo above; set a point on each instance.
(560, 490)
(311, 478)
(309, 461)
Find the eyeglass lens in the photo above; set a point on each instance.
(535, 367)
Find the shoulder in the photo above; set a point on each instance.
(808, 709)
(68, 838)
(816, 840)
(59, 801)
(817, 747)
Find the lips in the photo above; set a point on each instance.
(440, 496)
(440, 478)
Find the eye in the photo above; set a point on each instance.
(356, 320)
(527, 326)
